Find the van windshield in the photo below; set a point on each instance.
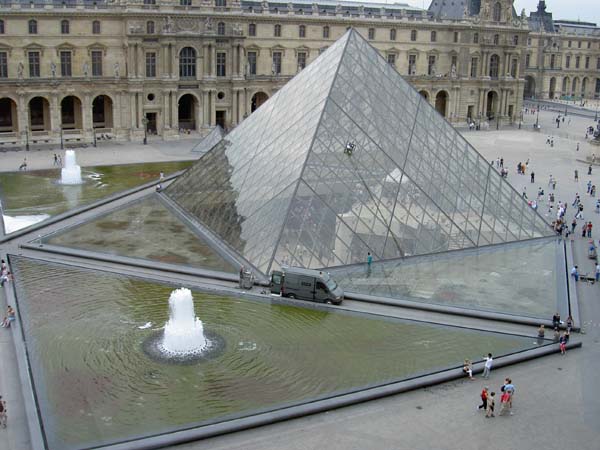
(331, 285)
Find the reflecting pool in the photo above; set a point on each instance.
(38, 192)
(95, 385)
(145, 229)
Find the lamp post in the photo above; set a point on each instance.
(94, 132)
(596, 116)
(62, 144)
(26, 138)
(537, 119)
(145, 123)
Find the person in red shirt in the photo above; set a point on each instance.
(589, 229)
(484, 395)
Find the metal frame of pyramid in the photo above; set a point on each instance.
(349, 159)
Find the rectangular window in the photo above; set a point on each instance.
(552, 61)
(569, 44)
(391, 59)
(96, 27)
(252, 29)
(325, 32)
(598, 64)
(589, 45)
(65, 64)
(412, 64)
(251, 63)
(221, 61)
(371, 33)
(32, 25)
(97, 63)
(431, 65)
(513, 68)
(151, 65)
(185, 2)
(276, 67)
(301, 60)
(393, 34)
(476, 38)
(3, 65)
(577, 62)
(454, 62)
(149, 2)
(474, 64)
(455, 37)
(1, 26)
(527, 60)
(587, 62)
(579, 44)
(64, 27)
(568, 62)
(220, 3)
(34, 64)
(413, 35)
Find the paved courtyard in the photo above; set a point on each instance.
(557, 403)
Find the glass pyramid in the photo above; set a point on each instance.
(284, 189)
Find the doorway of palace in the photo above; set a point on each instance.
(151, 127)
(102, 112)
(441, 102)
(70, 113)
(258, 99)
(8, 116)
(186, 112)
(220, 118)
(492, 105)
(39, 114)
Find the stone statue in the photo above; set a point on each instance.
(237, 29)
(523, 14)
(338, 8)
(53, 69)
(509, 12)
(85, 69)
(116, 68)
(168, 26)
(20, 69)
(315, 9)
(290, 7)
(485, 11)
(208, 26)
(273, 69)
(453, 71)
(264, 5)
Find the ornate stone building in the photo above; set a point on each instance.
(76, 70)
(562, 58)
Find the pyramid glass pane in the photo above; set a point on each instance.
(145, 229)
(210, 140)
(274, 355)
(473, 279)
(412, 185)
(258, 160)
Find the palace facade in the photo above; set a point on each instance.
(81, 70)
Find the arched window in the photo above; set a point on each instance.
(515, 40)
(64, 27)
(326, 32)
(413, 35)
(393, 34)
(187, 62)
(252, 29)
(150, 27)
(496, 39)
(302, 31)
(433, 36)
(96, 27)
(32, 25)
(497, 12)
(277, 30)
(494, 65)
(475, 38)
(1, 26)
(221, 29)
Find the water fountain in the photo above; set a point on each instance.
(71, 173)
(184, 332)
(183, 340)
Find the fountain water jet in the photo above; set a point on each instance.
(71, 173)
(184, 332)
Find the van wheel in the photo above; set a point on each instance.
(291, 296)
(328, 302)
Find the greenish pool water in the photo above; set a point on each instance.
(36, 192)
(95, 385)
(145, 229)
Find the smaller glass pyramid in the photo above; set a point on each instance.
(348, 159)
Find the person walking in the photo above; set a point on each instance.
(55, 160)
(369, 260)
(562, 344)
(574, 274)
(584, 230)
(532, 176)
(484, 398)
(589, 186)
(589, 229)
(487, 367)
(597, 272)
(590, 169)
(489, 412)
(576, 175)
(3, 416)
(573, 225)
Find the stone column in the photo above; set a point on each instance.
(206, 108)
(22, 117)
(117, 112)
(206, 60)
(164, 67)
(140, 110)
(213, 59)
(133, 106)
(173, 111)
(213, 111)
(242, 111)
(166, 110)
(87, 119)
(234, 106)
(55, 122)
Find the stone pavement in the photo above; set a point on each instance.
(557, 402)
